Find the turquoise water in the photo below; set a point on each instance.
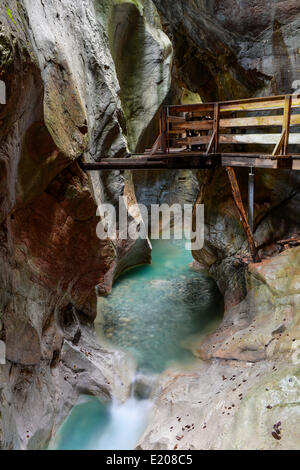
(93, 426)
(154, 309)
(154, 312)
(87, 421)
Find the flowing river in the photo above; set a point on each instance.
(154, 313)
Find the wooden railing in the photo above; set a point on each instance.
(212, 127)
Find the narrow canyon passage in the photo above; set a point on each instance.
(154, 313)
(110, 109)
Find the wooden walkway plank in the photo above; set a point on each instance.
(262, 139)
(182, 138)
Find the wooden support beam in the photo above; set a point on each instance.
(211, 142)
(214, 141)
(176, 119)
(216, 125)
(246, 162)
(279, 145)
(163, 129)
(263, 139)
(157, 145)
(152, 163)
(239, 203)
(251, 181)
(249, 104)
(257, 121)
(168, 129)
(286, 122)
(192, 125)
(125, 164)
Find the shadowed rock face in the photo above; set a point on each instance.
(82, 76)
(142, 54)
(63, 105)
(233, 49)
(245, 395)
(206, 53)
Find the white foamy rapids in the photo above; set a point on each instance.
(127, 423)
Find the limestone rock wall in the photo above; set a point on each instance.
(228, 50)
(142, 54)
(244, 391)
(233, 49)
(63, 105)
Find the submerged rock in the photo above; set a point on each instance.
(143, 386)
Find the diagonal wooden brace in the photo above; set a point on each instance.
(157, 145)
(280, 144)
(239, 203)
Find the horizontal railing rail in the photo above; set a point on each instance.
(208, 127)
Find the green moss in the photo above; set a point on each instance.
(10, 15)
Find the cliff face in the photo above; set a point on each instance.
(232, 49)
(226, 50)
(84, 80)
(246, 393)
(64, 104)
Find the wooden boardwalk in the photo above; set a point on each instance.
(251, 133)
(257, 132)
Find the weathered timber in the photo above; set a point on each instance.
(249, 104)
(251, 181)
(195, 139)
(286, 122)
(193, 126)
(240, 206)
(257, 121)
(195, 160)
(171, 163)
(263, 139)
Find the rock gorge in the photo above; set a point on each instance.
(86, 79)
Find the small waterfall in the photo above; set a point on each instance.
(153, 313)
(127, 423)
(128, 420)
(118, 426)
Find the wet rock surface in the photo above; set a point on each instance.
(228, 50)
(224, 405)
(74, 94)
(63, 106)
(249, 380)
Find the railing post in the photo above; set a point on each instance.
(214, 141)
(286, 122)
(216, 125)
(164, 129)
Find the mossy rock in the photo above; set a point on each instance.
(6, 53)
